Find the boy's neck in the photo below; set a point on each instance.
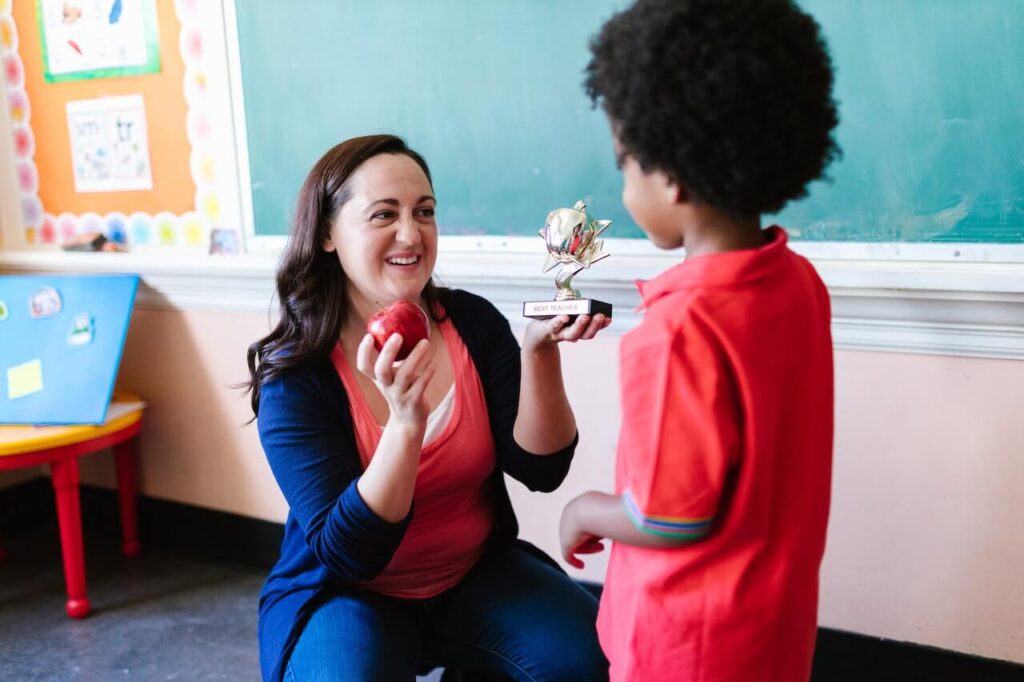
(710, 231)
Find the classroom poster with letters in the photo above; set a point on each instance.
(84, 39)
(109, 144)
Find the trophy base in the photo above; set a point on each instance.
(544, 310)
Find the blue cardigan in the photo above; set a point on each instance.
(331, 536)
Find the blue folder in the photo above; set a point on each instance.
(61, 340)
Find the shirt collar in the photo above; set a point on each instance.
(718, 269)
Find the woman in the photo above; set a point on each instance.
(400, 550)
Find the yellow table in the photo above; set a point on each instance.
(60, 447)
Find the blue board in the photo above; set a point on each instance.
(61, 339)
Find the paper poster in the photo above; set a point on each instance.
(109, 144)
(84, 39)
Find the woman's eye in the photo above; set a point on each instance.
(383, 215)
(427, 212)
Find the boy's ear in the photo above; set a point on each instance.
(676, 192)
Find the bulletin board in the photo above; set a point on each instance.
(171, 98)
(62, 342)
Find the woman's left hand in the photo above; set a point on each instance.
(543, 334)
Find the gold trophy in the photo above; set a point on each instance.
(572, 241)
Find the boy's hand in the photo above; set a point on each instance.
(574, 540)
(541, 334)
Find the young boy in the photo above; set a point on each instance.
(721, 111)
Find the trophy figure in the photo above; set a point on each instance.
(573, 244)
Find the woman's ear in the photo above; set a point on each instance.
(328, 244)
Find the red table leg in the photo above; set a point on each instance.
(69, 517)
(124, 461)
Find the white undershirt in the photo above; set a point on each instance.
(438, 420)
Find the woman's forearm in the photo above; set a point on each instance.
(387, 484)
(545, 422)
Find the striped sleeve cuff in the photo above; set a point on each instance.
(666, 526)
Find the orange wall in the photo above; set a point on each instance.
(163, 92)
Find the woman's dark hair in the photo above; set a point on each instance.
(732, 99)
(310, 281)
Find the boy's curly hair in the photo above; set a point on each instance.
(730, 98)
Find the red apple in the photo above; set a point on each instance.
(401, 317)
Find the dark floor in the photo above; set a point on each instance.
(167, 615)
(156, 617)
(159, 616)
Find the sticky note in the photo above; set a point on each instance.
(24, 379)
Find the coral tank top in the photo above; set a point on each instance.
(453, 509)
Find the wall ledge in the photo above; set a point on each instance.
(966, 309)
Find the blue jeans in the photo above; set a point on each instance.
(513, 615)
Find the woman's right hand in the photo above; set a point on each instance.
(403, 385)
(388, 483)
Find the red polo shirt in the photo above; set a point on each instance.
(726, 441)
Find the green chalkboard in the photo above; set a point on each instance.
(931, 95)
(487, 90)
(932, 103)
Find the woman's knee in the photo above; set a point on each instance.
(527, 618)
(568, 652)
(356, 637)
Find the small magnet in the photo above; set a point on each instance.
(44, 303)
(81, 331)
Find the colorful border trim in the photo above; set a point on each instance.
(26, 173)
